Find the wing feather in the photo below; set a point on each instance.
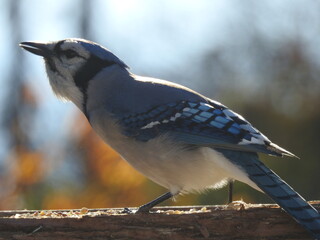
(200, 123)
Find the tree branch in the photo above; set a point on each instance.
(242, 221)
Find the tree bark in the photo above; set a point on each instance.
(241, 221)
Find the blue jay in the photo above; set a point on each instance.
(175, 136)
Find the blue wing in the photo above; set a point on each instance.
(199, 123)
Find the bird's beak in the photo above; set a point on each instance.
(38, 48)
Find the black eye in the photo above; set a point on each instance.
(70, 54)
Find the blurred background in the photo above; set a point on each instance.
(260, 58)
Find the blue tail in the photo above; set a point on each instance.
(277, 189)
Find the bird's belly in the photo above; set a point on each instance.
(176, 169)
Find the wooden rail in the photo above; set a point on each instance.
(240, 221)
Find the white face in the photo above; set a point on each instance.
(69, 56)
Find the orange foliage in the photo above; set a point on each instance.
(59, 200)
(28, 168)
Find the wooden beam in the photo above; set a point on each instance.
(240, 221)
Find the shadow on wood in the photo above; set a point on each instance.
(241, 221)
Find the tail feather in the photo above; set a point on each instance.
(270, 183)
(285, 196)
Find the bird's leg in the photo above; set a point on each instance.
(146, 207)
(230, 191)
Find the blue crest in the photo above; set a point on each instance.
(101, 52)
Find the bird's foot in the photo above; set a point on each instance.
(143, 209)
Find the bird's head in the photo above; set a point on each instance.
(71, 64)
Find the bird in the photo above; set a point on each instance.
(175, 136)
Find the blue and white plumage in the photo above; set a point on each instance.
(175, 136)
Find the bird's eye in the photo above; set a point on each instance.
(70, 54)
